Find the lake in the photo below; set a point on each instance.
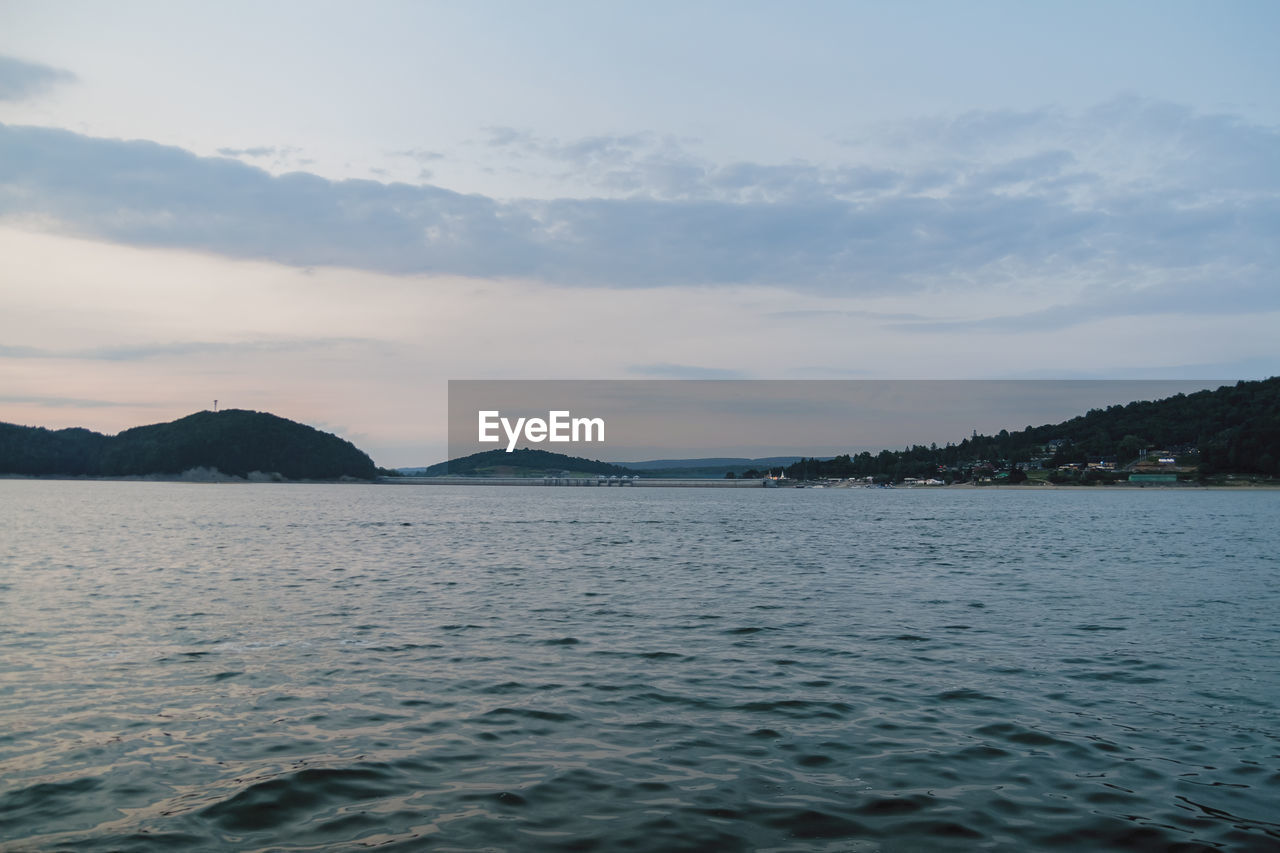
(323, 667)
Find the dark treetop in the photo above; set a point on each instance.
(524, 462)
(1235, 428)
(234, 441)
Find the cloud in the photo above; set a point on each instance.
(182, 349)
(22, 352)
(682, 371)
(508, 137)
(1221, 372)
(260, 151)
(142, 193)
(814, 313)
(20, 80)
(421, 155)
(69, 402)
(1115, 208)
(1204, 294)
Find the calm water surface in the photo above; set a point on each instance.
(290, 667)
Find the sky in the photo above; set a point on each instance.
(637, 420)
(329, 210)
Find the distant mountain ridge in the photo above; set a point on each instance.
(726, 462)
(236, 442)
(524, 462)
(1234, 428)
(527, 462)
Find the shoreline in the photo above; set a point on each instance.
(1126, 486)
(227, 479)
(216, 478)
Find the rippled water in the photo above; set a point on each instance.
(293, 667)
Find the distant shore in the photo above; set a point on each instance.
(199, 475)
(1128, 486)
(206, 477)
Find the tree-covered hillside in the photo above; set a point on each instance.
(524, 462)
(234, 441)
(1235, 428)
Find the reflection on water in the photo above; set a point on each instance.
(328, 667)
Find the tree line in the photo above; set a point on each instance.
(1234, 429)
(528, 460)
(234, 441)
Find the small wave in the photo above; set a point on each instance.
(507, 799)
(404, 647)
(940, 829)
(1019, 735)
(809, 823)
(965, 694)
(891, 806)
(674, 699)
(1116, 675)
(296, 796)
(45, 799)
(532, 714)
(982, 752)
(798, 708)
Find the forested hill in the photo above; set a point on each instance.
(524, 462)
(1235, 429)
(234, 441)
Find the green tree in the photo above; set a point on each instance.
(1131, 447)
